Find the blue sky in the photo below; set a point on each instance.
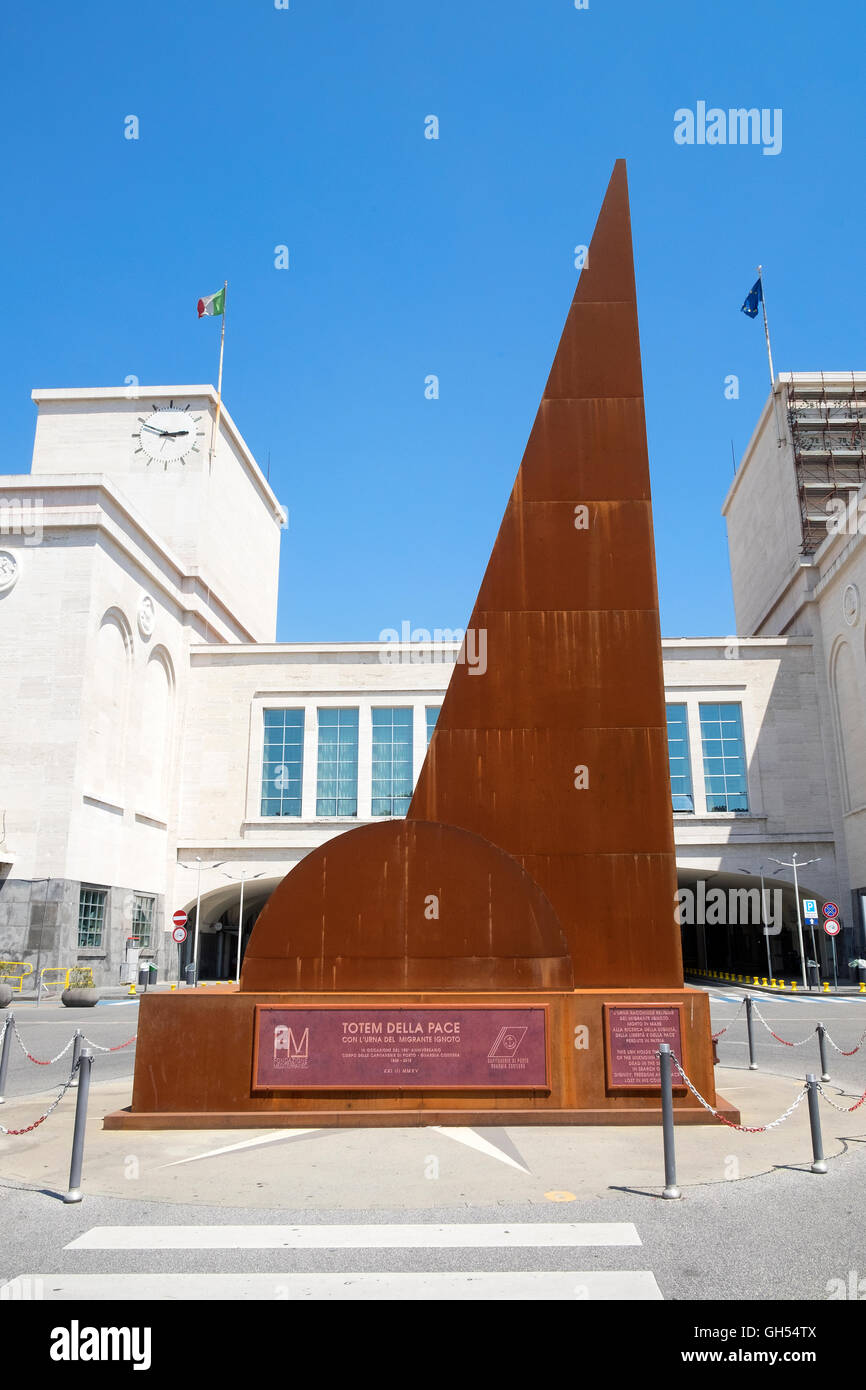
(305, 127)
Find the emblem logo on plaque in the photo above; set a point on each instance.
(506, 1044)
(290, 1051)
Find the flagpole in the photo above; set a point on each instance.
(766, 329)
(216, 425)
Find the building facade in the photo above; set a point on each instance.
(162, 749)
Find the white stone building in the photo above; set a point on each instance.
(159, 741)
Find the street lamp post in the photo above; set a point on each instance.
(795, 866)
(764, 925)
(244, 877)
(217, 865)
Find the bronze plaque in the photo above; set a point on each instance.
(410, 1047)
(632, 1034)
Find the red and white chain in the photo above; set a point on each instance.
(29, 1055)
(810, 1037)
(744, 1129)
(117, 1047)
(841, 1051)
(845, 1109)
(730, 1023)
(52, 1107)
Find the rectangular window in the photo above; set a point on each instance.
(392, 761)
(680, 761)
(91, 918)
(337, 778)
(143, 914)
(724, 758)
(283, 762)
(432, 716)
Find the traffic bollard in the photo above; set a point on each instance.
(76, 1052)
(5, 1055)
(818, 1163)
(822, 1048)
(665, 1068)
(84, 1062)
(753, 1066)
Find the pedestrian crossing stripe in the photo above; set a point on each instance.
(426, 1236)
(609, 1285)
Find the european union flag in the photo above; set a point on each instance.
(753, 299)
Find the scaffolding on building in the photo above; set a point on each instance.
(827, 421)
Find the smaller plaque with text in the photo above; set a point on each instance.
(632, 1034)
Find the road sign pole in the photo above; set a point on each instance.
(799, 924)
(835, 972)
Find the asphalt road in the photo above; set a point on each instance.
(46, 1030)
(795, 1020)
(785, 1235)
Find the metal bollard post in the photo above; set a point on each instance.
(822, 1048)
(818, 1163)
(76, 1052)
(753, 1066)
(5, 1055)
(665, 1067)
(84, 1062)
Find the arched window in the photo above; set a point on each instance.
(106, 709)
(850, 726)
(155, 701)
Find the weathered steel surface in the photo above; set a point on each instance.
(574, 673)
(194, 1065)
(573, 680)
(386, 906)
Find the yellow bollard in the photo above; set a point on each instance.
(174, 986)
(774, 985)
(764, 981)
(826, 988)
(794, 986)
(862, 988)
(132, 989)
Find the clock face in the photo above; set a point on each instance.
(170, 434)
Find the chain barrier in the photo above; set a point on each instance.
(117, 1047)
(29, 1055)
(844, 1109)
(52, 1107)
(49, 1062)
(730, 1023)
(809, 1037)
(841, 1051)
(744, 1129)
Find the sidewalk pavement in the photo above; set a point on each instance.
(414, 1168)
(122, 991)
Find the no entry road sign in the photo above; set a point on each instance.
(179, 918)
(179, 935)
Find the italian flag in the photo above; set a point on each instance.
(213, 304)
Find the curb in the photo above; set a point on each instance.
(774, 987)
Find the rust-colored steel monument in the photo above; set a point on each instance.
(510, 949)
